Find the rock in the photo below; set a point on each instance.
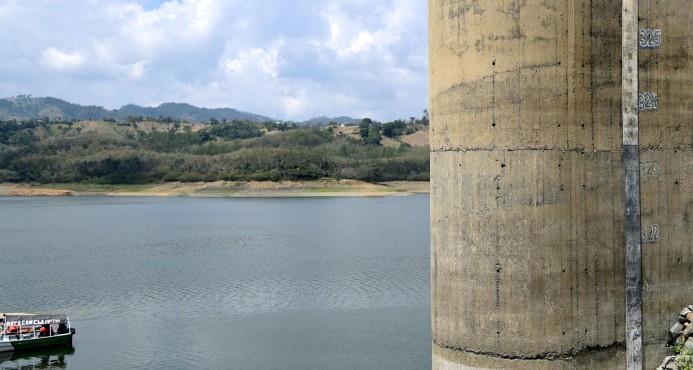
(681, 334)
(687, 331)
(668, 363)
(676, 330)
(689, 316)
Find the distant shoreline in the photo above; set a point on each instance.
(225, 189)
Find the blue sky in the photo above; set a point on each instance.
(289, 59)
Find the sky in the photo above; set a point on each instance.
(287, 59)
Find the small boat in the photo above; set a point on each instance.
(23, 331)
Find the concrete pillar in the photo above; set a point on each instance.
(527, 245)
(666, 143)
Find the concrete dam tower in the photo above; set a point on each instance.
(528, 248)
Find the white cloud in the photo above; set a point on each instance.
(61, 60)
(290, 60)
(256, 61)
(293, 105)
(171, 24)
(137, 70)
(353, 33)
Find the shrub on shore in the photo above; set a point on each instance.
(117, 154)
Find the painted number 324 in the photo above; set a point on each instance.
(650, 39)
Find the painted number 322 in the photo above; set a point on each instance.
(650, 39)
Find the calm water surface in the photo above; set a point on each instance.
(183, 283)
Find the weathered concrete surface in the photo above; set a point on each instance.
(610, 358)
(527, 181)
(667, 164)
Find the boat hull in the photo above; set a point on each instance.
(34, 343)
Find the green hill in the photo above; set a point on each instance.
(26, 107)
(146, 151)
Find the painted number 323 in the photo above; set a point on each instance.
(650, 39)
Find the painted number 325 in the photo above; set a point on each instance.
(648, 102)
(650, 39)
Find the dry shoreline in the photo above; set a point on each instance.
(220, 189)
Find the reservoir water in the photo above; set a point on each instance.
(201, 283)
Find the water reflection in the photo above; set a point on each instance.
(49, 359)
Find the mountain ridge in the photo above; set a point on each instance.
(25, 107)
(324, 120)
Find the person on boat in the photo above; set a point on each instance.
(12, 330)
(62, 329)
(44, 331)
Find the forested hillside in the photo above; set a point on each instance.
(149, 151)
(25, 107)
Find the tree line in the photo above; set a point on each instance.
(237, 150)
